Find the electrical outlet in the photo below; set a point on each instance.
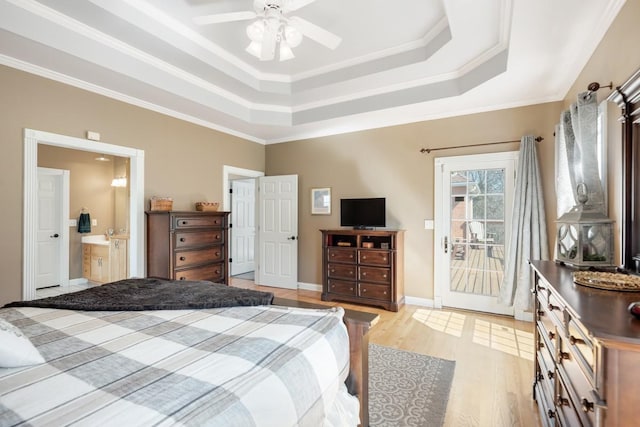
(73, 222)
(94, 222)
(428, 224)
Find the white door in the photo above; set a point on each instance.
(51, 232)
(474, 197)
(278, 231)
(243, 219)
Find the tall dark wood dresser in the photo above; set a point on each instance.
(188, 245)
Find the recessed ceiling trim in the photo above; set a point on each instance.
(90, 87)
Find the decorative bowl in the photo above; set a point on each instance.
(207, 206)
(607, 281)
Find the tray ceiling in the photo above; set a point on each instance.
(398, 62)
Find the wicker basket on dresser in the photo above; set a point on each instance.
(188, 245)
(586, 352)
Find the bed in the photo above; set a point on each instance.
(254, 365)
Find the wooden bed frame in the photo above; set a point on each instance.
(358, 324)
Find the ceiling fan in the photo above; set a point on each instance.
(272, 30)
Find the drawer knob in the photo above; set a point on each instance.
(551, 335)
(364, 257)
(218, 253)
(182, 239)
(333, 271)
(586, 405)
(364, 291)
(384, 276)
(550, 375)
(350, 255)
(184, 222)
(332, 254)
(217, 237)
(385, 292)
(351, 289)
(364, 273)
(563, 355)
(384, 258)
(183, 278)
(573, 340)
(182, 258)
(561, 401)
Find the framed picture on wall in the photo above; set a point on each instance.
(321, 201)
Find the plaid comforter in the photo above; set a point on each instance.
(240, 366)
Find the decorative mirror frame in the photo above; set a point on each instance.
(627, 97)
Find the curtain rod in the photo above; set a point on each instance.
(428, 150)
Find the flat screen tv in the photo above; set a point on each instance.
(363, 213)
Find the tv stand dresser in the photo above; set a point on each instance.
(363, 267)
(586, 352)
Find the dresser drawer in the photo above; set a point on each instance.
(200, 256)
(547, 413)
(341, 255)
(568, 412)
(186, 221)
(185, 239)
(341, 271)
(581, 346)
(212, 272)
(341, 287)
(372, 257)
(576, 384)
(380, 292)
(374, 274)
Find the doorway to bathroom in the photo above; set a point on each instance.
(32, 138)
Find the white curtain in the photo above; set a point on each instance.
(528, 238)
(577, 154)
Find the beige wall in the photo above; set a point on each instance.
(387, 163)
(182, 160)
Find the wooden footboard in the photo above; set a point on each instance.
(358, 324)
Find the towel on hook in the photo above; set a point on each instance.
(84, 223)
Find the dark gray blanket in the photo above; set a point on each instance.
(152, 294)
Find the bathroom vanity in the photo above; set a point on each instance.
(105, 259)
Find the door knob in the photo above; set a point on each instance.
(55, 236)
(291, 238)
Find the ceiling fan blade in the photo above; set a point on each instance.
(292, 5)
(224, 17)
(314, 32)
(268, 46)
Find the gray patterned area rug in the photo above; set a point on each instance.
(407, 389)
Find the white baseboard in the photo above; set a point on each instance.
(423, 302)
(309, 287)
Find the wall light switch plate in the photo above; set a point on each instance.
(94, 136)
(73, 222)
(428, 224)
(94, 222)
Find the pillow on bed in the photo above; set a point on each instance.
(16, 349)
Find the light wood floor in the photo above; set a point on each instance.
(493, 377)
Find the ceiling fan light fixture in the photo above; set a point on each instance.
(255, 49)
(292, 36)
(285, 51)
(255, 31)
